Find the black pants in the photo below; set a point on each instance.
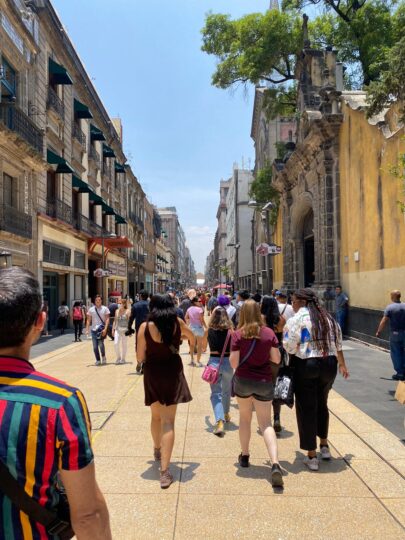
(313, 379)
(78, 328)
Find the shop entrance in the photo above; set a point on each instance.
(309, 249)
(55, 291)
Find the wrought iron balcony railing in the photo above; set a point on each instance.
(58, 209)
(16, 120)
(14, 221)
(78, 134)
(94, 155)
(54, 102)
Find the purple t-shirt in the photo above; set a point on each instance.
(257, 367)
(194, 315)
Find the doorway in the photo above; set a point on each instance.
(51, 294)
(309, 249)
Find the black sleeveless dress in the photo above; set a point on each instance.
(163, 375)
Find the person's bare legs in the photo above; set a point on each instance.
(263, 413)
(199, 348)
(245, 421)
(167, 415)
(156, 424)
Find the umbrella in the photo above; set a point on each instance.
(222, 286)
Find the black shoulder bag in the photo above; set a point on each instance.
(56, 523)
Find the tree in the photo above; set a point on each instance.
(262, 191)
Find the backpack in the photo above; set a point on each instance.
(77, 313)
(62, 312)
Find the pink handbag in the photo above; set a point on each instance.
(211, 373)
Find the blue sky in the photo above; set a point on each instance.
(181, 135)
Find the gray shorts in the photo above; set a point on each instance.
(260, 390)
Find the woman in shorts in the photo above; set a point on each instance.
(253, 347)
(196, 322)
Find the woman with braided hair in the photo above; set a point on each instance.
(314, 340)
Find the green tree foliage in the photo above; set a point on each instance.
(262, 191)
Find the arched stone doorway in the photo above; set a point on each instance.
(308, 244)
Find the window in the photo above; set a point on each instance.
(79, 288)
(50, 186)
(105, 221)
(92, 212)
(290, 135)
(8, 80)
(80, 262)
(10, 191)
(75, 203)
(56, 254)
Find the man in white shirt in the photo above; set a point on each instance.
(285, 309)
(98, 316)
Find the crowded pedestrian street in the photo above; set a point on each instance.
(359, 494)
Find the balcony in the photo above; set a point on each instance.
(15, 120)
(15, 222)
(79, 136)
(89, 227)
(136, 257)
(55, 103)
(57, 209)
(94, 155)
(106, 170)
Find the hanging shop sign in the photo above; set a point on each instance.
(99, 272)
(268, 249)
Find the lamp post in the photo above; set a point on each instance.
(264, 211)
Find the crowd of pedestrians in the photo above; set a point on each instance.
(249, 338)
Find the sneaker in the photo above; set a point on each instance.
(325, 452)
(277, 425)
(139, 366)
(200, 364)
(397, 377)
(219, 428)
(118, 361)
(79, 339)
(276, 476)
(123, 361)
(166, 479)
(243, 460)
(157, 454)
(311, 463)
(98, 363)
(104, 360)
(227, 417)
(192, 363)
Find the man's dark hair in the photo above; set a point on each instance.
(98, 296)
(338, 287)
(245, 295)
(144, 294)
(20, 305)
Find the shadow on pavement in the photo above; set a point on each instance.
(182, 472)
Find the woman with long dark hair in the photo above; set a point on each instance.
(271, 317)
(253, 347)
(164, 382)
(219, 339)
(314, 339)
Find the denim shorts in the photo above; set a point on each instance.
(260, 390)
(197, 330)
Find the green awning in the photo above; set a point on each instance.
(96, 134)
(107, 209)
(81, 110)
(62, 165)
(78, 183)
(96, 199)
(119, 219)
(119, 168)
(58, 74)
(107, 151)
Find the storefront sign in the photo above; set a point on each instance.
(117, 269)
(99, 272)
(268, 249)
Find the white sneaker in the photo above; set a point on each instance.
(311, 463)
(98, 363)
(325, 452)
(123, 361)
(104, 360)
(118, 361)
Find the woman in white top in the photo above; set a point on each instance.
(314, 340)
(119, 328)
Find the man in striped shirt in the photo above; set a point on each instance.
(44, 424)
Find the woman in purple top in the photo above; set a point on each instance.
(253, 347)
(195, 319)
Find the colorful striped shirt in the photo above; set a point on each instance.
(44, 427)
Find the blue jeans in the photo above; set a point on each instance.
(221, 390)
(397, 350)
(97, 344)
(341, 319)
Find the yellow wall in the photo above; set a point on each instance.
(372, 224)
(278, 276)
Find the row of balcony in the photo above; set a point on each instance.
(17, 121)
(136, 220)
(136, 257)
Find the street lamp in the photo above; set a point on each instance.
(5, 259)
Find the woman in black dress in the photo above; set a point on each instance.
(164, 381)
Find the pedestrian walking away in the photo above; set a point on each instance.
(314, 340)
(271, 318)
(219, 339)
(395, 314)
(113, 305)
(253, 348)
(164, 382)
(139, 314)
(120, 328)
(78, 317)
(195, 319)
(45, 437)
(341, 307)
(63, 314)
(98, 318)
(225, 302)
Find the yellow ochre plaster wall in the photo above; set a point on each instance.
(372, 248)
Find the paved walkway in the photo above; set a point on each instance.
(360, 494)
